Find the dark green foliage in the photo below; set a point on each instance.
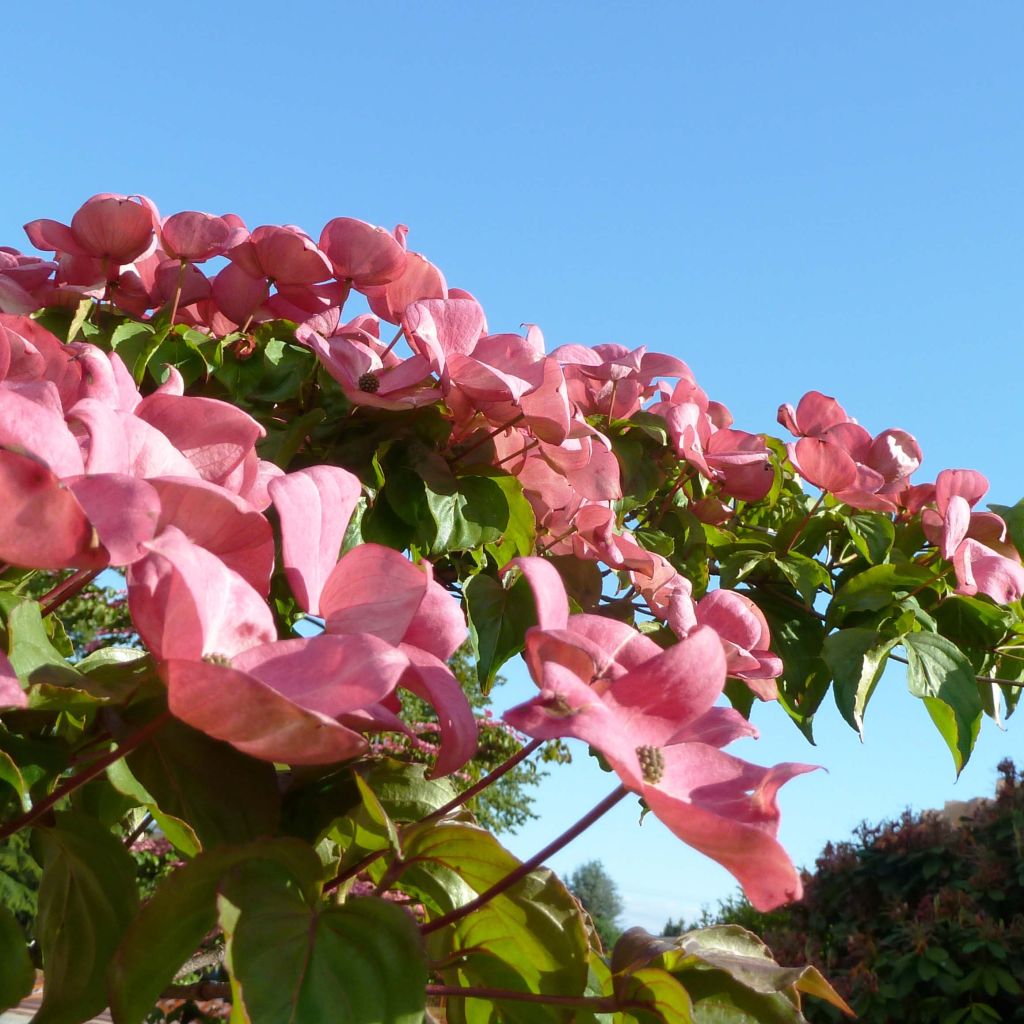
(598, 893)
(917, 920)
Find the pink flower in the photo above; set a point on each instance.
(114, 228)
(651, 714)
(20, 278)
(228, 676)
(362, 253)
(368, 374)
(611, 380)
(194, 237)
(840, 456)
(984, 560)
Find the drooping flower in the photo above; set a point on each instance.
(654, 720)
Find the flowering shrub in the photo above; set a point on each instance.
(254, 455)
(918, 919)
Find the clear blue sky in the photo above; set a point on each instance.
(786, 195)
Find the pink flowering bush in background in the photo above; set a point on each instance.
(322, 474)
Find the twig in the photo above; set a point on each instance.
(980, 679)
(478, 787)
(98, 766)
(598, 1004)
(67, 589)
(147, 820)
(588, 819)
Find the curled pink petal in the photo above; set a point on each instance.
(431, 680)
(361, 252)
(548, 590)
(186, 603)
(373, 589)
(222, 523)
(726, 808)
(314, 506)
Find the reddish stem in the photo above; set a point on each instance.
(98, 766)
(599, 1004)
(494, 433)
(177, 291)
(67, 589)
(481, 784)
(393, 342)
(515, 455)
(527, 866)
(560, 537)
(464, 797)
(927, 583)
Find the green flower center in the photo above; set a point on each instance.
(652, 764)
(369, 382)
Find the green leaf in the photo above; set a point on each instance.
(223, 795)
(583, 581)
(743, 956)
(16, 971)
(519, 534)
(652, 425)
(657, 541)
(315, 799)
(876, 588)
(170, 927)
(130, 340)
(736, 567)
(533, 933)
(476, 512)
(654, 991)
(940, 674)
(365, 829)
(85, 307)
(806, 575)
(856, 658)
(87, 898)
(352, 964)
(797, 637)
(32, 652)
(499, 617)
(972, 622)
(10, 774)
(119, 674)
(403, 789)
(380, 525)
(641, 475)
(178, 833)
(728, 972)
(872, 534)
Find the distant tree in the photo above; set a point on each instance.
(596, 890)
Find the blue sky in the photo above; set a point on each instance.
(787, 196)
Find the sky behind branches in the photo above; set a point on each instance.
(788, 196)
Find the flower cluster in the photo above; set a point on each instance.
(172, 487)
